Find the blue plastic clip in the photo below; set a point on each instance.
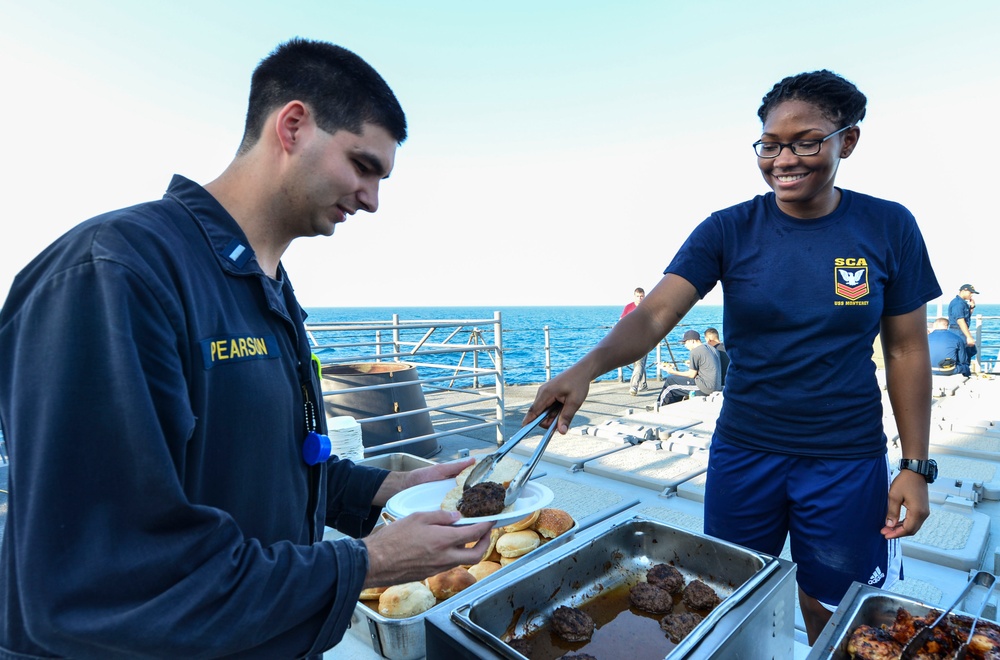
(316, 449)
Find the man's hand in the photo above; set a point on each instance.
(400, 481)
(437, 472)
(421, 545)
(908, 489)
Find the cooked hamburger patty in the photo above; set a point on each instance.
(650, 598)
(572, 624)
(700, 596)
(666, 577)
(485, 499)
(679, 625)
(522, 646)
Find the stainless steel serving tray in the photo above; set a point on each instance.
(608, 555)
(403, 639)
(861, 605)
(398, 462)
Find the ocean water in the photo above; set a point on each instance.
(572, 332)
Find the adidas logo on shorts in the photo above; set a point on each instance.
(876, 576)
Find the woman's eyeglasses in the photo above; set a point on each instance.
(799, 147)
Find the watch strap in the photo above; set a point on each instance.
(926, 468)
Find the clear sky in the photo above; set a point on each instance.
(559, 152)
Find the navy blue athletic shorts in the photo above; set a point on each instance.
(833, 510)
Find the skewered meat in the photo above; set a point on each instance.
(906, 626)
(985, 642)
(871, 643)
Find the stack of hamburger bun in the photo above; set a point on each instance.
(507, 544)
(518, 539)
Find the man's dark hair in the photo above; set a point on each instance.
(711, 333)
(837, 98)
(341, 89)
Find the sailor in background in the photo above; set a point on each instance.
(949, 356)
(713, 340)
(638, 381)
(703, 377)
(960, 320)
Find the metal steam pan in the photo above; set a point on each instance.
(403, 639)
(866, 605)
(614, 553)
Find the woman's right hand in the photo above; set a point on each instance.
(633, 336)
(569, 388)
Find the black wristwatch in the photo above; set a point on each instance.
(927, 469)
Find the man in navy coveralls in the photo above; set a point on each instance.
(960, 317)
(158, 399)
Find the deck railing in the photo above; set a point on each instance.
(987, 353)
(456, 361)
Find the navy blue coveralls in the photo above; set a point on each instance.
(153, 396)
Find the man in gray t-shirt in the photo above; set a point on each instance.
(705, 374)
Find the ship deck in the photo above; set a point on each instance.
(622, 453)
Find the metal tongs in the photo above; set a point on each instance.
(916, 642)
(964, 648)
(484, 468)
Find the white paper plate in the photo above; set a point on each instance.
(428, 497)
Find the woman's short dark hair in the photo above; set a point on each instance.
(837, 98)
(341, 89)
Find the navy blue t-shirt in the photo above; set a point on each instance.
(802, 304)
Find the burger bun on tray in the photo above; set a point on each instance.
(406, 600)
(447, 584)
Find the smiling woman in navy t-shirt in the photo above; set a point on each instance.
(811, 275)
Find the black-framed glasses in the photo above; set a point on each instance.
(799, 147)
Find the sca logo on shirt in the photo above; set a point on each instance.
(850, 278)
